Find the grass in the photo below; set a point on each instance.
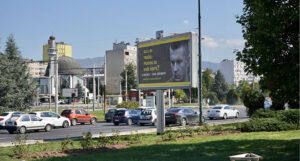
(271, 145)
(99, 114)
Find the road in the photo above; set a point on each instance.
(103, 127)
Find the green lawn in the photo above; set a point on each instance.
(273, 146)
(99, 114)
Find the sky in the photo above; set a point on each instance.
(92, 26)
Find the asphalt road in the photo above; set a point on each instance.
(103, 127)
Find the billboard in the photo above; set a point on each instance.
(169, 62)
(67, 92)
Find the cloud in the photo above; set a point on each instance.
(223, 43)
(209, 42)
(234, 43)
(186, 22)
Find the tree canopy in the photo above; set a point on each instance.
(17, 88)
(271, 30)
(220, 86)
(131, 77)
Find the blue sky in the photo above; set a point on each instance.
(91, 26)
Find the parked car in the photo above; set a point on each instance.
(25, 122)
(5, 116)
(127, 116)
(110, 113)
(55, 119)
(222, 111)
(79, 116)
(181, 115)
(148, 116)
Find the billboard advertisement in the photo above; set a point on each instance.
(169, 62)
(67, 92)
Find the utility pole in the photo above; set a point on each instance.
(94, 88)
(201, 121)
(56, 83)
(104, 99)
(125, 84)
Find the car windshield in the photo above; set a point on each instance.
(217, 108)
(174, 110)
(66, 112)
(4, 114)
(120, 112)
(111, 110)
(146, 112)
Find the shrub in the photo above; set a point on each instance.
(262, 113)
(169, 136)
(65, 145)
(291, 116)
(103, 140)
(213, 99)
(87, 141)
(265, 124)
(128, 105)
(20, 146)
(115, 138)
(253, 100)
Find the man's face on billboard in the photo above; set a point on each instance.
(179, 64)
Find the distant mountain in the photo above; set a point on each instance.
(99, 61)
(210, 65)
(89, 62)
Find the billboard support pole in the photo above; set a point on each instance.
(160, 112)
(201, 120)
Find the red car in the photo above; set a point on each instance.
(79, 116)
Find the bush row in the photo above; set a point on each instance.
(269, 120)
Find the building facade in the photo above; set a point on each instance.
(36, 68)
(116, 59)
(62, 50)
(234, 72)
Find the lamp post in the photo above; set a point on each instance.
(201, 120)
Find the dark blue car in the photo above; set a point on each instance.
(127, 116)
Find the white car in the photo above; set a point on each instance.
(148, 116)
(222, 111)
(6, 115)
(25, 122)
(53, 118)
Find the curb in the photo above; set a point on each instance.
(143, 131)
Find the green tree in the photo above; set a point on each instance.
(271, 31)
(220, 86)
(17, 88)
(131, 77)
(232, 97)
(253, 100)
(179, 94)
(207, 83)
(80, 91)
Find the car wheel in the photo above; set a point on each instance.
(237, 115)
(183, 122)
(141, 124)
(11, 131)
(116, 124)
(74, 122)
(129, 122)
(48, 128)
(65, 124)
(22, 130)
(225, 116)
(93, 121)
(211, 118)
